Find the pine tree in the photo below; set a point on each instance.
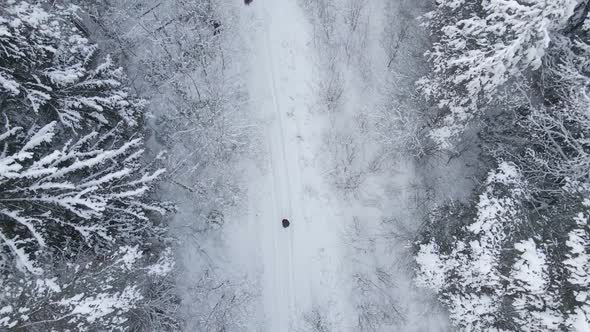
(522, 69)
(69, 192)
(82, 240)
(470, 278)
(481, 47)
(500, 273)
(49, 65)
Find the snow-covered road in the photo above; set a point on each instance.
(300, 264)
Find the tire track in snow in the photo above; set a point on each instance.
(280, 175)
(291, 296)
(280, 78)
(284, 31)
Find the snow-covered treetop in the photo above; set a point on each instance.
(81, 245)
(88, 295)
(52, 68)
(74, 187)
(481, 46)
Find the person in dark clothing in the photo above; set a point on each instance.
(247, 2)
(286, 223)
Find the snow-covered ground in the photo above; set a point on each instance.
(300, 265)
(337, 267)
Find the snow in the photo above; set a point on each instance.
(27, 222)
(300, 264)
(32, 14)
(531, 267)
(101, 157)
(164, 265)
(5, 321)
(130, 256)
(9, 84)
(310, 274)
(44, 134)
(507, 173)
(432, 268)
(66, 76)
(580, 321)
(6, 310)
(23, 260)
(95, 307)
(49, 285)
(106, 178)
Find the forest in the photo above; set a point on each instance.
(295, 165)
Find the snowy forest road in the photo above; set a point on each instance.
(280, 303)
(294, 277)
(273, 84)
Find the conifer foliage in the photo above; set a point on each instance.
(513, 257)
(82, 243)
(483, 46)
(48, 64)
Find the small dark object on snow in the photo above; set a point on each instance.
(247, 2)
(216, 27)
(285, 223)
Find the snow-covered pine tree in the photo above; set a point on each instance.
(499, 269)
(88, 190)
(82, 245)
(523, 67)
(467, 269)
(84, 293)
(49, 65)
(483, 46)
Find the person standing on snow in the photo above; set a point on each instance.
(286, 223)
